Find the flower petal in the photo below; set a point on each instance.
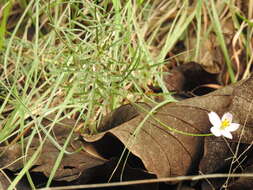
(214, 119)
(233, 127)
(228, 116)
(226, 134)
(216, 131)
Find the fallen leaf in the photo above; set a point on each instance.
(217, 155)
(110, 172)
(160, 149)
(6, 178)
(4, 181)
(188, 77)
(71, 165)
(164, 151)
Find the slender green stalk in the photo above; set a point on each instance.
(219, 33)
(6, 8)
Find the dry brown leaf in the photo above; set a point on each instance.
(162, 150)
(188, 77)
(124, 172)
(4, 181)
(72, 165)
(6, 178)
(216, 150)
(168, 153)
(217, 155)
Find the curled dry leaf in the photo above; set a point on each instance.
(123, 172)
(165, 152)
(189, 77)
(71, 165)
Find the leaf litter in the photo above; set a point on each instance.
(158, 145)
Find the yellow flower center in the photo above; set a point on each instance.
(224, 124)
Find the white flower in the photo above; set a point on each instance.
(223, 126)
